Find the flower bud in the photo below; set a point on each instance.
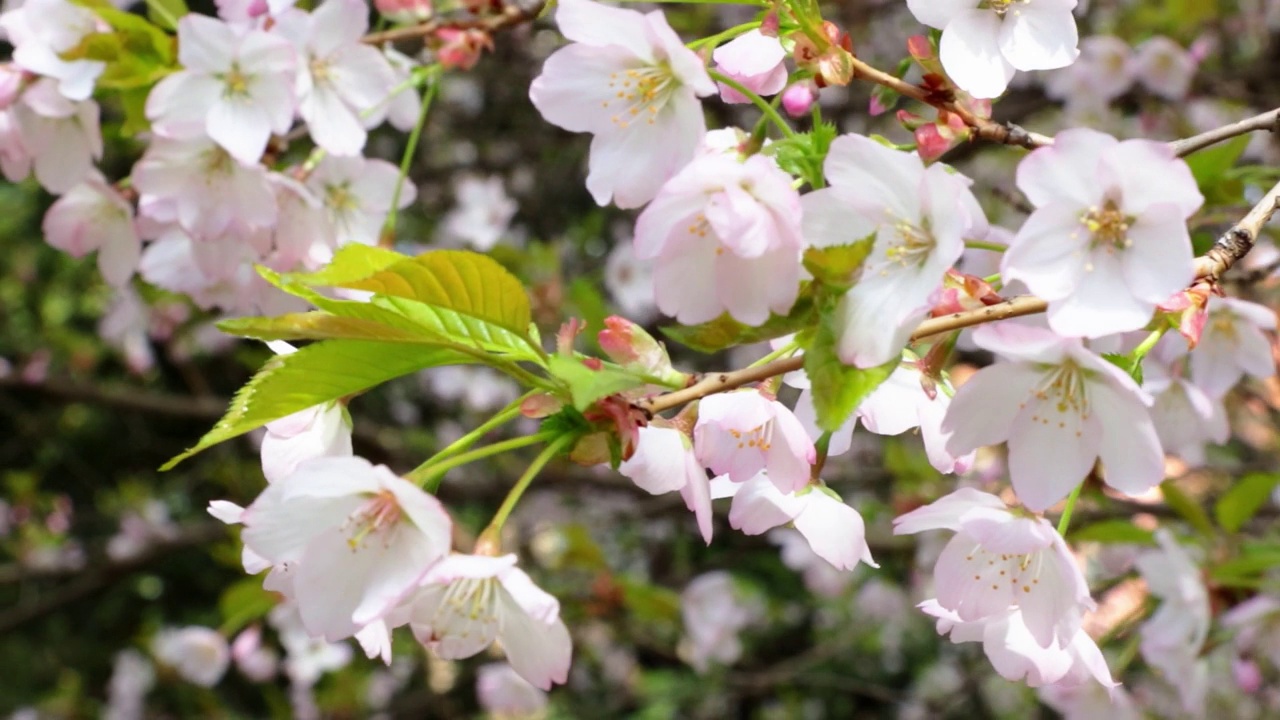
(799, 98)
(634, 349)
(461, 48)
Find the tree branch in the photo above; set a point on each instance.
(1269, 120)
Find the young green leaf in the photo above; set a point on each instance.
(838, 266)
(1114, 531)
(725, 332)
(838, 389)
(316, 374)
(1244, 500)
(587, 385)
(1189, 509)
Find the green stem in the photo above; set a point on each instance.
(410, 151)
(784, 351)
(756, 100)
(163, 13)
(1065, 521)
(517, 490)
(504, 416)
(430, 474)
(729, 34)
(1149, 342)
(984, 245)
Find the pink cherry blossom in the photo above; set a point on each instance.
(341, 517)
(663, 462)
(468, 601)
(1104, 71)
(1016, 655)
(715, 610)
(1165, 68)
(984, 43)
(998, 560)
(42, 30)
(739, 220)
(236, 87)
(1235, 343)
(1186, 418)
(199, 654)
(357, 195)
(755, 60)
(62, 137)
(321, 431)
(503, 693)
(92, 216)
(1108, 240)
(15, 158)
(741, 433)
(339, 78)
(198, 185)
(1172, 638)
(835, 531)
(919, 217)
(629, 80)
(251, 12)
(1055, 400)
(255, 661)
(798, 99)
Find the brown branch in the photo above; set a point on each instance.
(1230, 247)
(512, 14)
(1269, 120)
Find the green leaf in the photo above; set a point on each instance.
(462, 330)
(1114, 531)
(1132, 366)
(803, 154)
(166, 13)
(1244, 499)
(1189, 509)
(650, 604)
(838, 389)
(242, 603)
(1210, 168)
(1244, 570)
(838, 266)
(319, 325)
(350, 263)
(725, 332)
(317, 374)
(586, 385)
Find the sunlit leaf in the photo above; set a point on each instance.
(1244, 500)
(838, 389)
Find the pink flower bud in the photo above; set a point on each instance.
(1247, 675)
(634, 349)
(920, 48)
(799, 98)
(930, 143)
(461, 48)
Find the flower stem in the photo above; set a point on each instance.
(505, 415)
(1065, 520)
(522, 484)
(430, 474)
(784, 351)
(410, 151)
(984, 245)
(758, 101)
(720, 37)
(1149, 342)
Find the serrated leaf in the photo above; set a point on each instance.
(838, 266)
(1114, 531)
(349, 263)
(803, 154)
(316, 374)
(461, 329)
(1244, 499)
(320, 325)
(587, 385)
(838, 389)
(725, 332)
(1189, 509)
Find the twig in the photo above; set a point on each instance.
(1269, 120)
(1230, 247)
(512, 14)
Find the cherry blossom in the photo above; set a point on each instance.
(15, 158)
(664, 461)
(1104, 71)
(503, 693)
(1015, 654)
(236, 87)
(199, 654)
(629, 281)
(1055, 399)
(820, 576)
(738, 434)
(1164, 67)
(629, 80)
(984, 43)
(321, 431)
(1172, 638)
(132, 677)
(998, 560)
(483, 213)
(835, 531)
(41, 31)
(343, 517)
(919, 218)
(254, 660)
(741, 220)
(1108, 240)
(715, 610)
(90, 217)
(755, 60)
(61, 136)
(357, 193)
(467, 601)
(339, 79)
(1234, 344)
(1185, 417)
